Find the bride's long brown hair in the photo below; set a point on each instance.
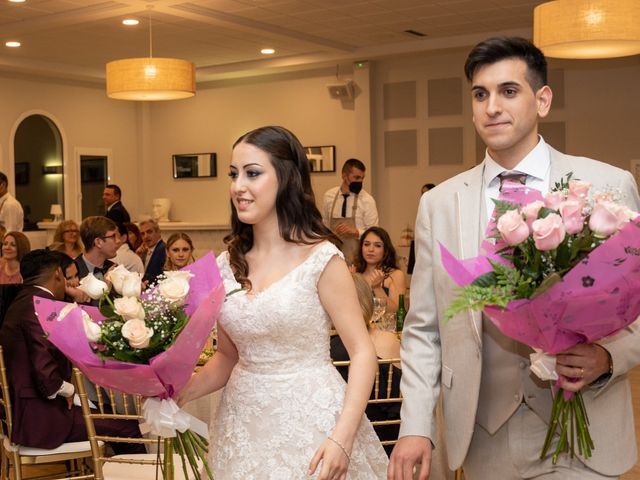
(299, 219)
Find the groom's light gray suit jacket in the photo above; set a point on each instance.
(435, 355)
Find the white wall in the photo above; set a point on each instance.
(601, 112)
(217, 116)
(85, 117)
(602, 108)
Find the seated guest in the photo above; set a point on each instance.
(66, 239)
(153, 251)
(39, 374)
(376, 261)
(386, 345)
(134, 239)
(179, 251)
(70, 271)
(99, 235)
(15, 245)
(125, 256)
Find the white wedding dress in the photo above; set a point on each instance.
(283, 396)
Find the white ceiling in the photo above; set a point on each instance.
(75, 38)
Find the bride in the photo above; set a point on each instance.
(286, 413)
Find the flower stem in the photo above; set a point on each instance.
(570, 416)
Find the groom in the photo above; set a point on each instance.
(495, 410)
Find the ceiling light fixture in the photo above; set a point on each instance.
(130, 21)
(151, 79)
(12, 44)
(17, 1)
(587, 28)
(267, 51)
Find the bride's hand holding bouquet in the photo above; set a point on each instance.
(146, 344)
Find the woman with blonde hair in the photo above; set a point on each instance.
(387, 346)
(15, 245)
(66, 239)
(179, 251)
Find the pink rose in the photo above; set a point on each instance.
(548, 232)
(571, 212)
(531, 211)
(608, 217)
(579, 190)
(512, 227)
(553, 200)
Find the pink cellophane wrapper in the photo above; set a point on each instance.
(168, 371)
(595, 299)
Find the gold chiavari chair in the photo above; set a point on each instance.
(386, 392)
(126, 466)
(385, 398)
(14, 457)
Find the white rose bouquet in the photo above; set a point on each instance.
(146, 344)
(138, 326)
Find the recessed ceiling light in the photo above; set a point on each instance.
(17, 1)
(130, 21)
(267, 51)
(12, 44)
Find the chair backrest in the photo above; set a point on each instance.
(15, 456)
(383, 407)
(5, 398)
(108, 404)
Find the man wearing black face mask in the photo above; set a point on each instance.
(348, 209)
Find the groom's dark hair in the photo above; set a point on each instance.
(496, 49)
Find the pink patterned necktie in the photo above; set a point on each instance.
(514, 178)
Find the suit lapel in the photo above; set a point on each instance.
(560, 166)
(468, 210)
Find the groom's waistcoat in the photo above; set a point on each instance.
(506, 380)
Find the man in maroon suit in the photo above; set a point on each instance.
(39, 374)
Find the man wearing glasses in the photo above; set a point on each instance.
(100, 237)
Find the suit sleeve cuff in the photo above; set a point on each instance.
(66, 390)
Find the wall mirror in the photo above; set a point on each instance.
(194, 165)
(321, 159)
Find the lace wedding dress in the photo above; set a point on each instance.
(284, 396)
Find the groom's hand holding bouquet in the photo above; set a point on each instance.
(558, 273)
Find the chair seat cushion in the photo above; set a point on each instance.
(71, 447)
(132, 471)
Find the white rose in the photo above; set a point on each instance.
(91, 329)
(175, 286)
(137, 333)
(126, 283)
(129, 308)
(116, 276)
(93, 287)
(132, 285)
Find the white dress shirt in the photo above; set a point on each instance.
(11, 214)
(128, 259)
(536, 165)
(366, 210)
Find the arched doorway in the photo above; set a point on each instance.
(38, 168)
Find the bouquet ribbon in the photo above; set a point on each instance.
(164, 418)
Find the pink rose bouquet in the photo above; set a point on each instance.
(555, 272)
(145, 343)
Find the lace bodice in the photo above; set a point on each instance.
(283, 396)
(279, 316)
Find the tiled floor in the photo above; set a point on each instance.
(634, 474)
